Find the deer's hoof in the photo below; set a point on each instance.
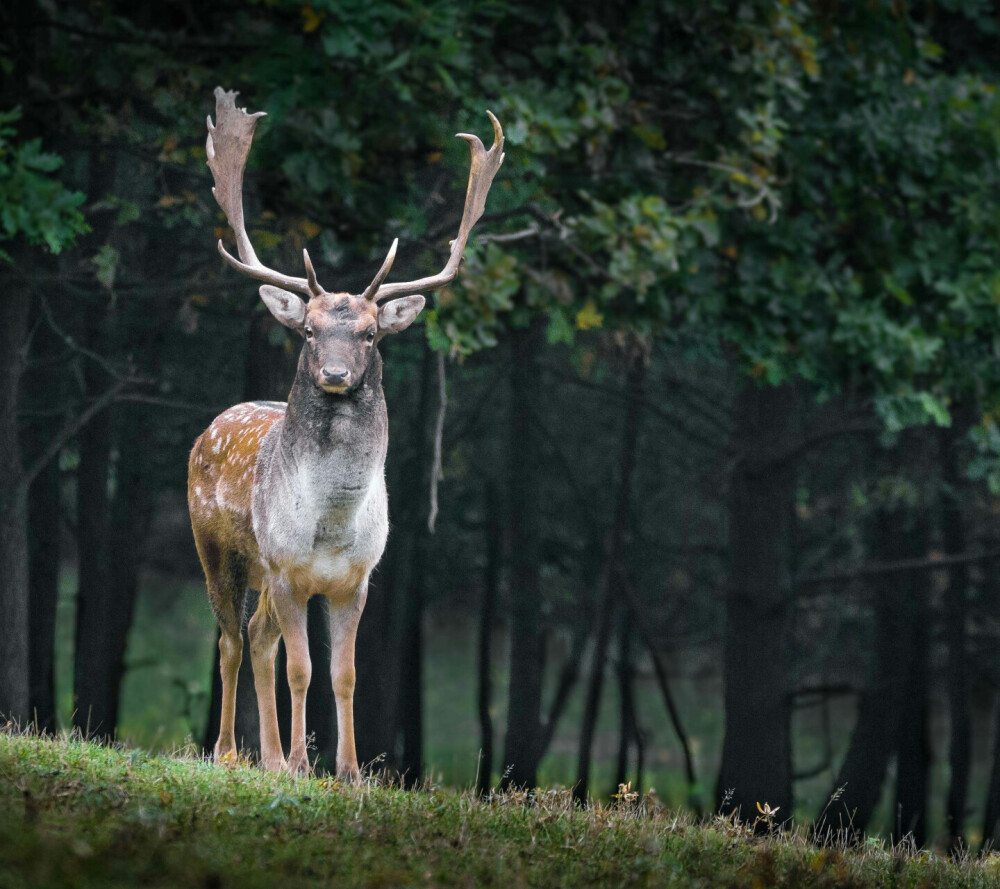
(225, 754)
(273, 763)
(298, 764)
(349, 774)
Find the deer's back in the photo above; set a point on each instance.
(221, 474)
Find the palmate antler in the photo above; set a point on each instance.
(228, 146)
(483, 168)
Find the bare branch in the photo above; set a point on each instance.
(877, 569)
(71, 427)
(100, 360)
(634, 605)
(436, 472)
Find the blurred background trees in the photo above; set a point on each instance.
(720, 459)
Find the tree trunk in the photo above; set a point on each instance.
(409, 710)
(44, 511)
(627, 721)
(956, 610)
(388, 695)
(614, 556)
(524, 699)
(93, 696)
(44, 516)
(858, 786)
(491, 587)
(913, 744)
(94, 688)
(991, 815)
(756, 755)
(410, 706)
(595, 685)
(14, 692)
(376, 662)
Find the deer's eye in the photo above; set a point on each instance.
(309, 333)
(371, 336)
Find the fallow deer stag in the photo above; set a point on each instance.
(290, 499)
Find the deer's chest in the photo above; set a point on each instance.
(322, 523)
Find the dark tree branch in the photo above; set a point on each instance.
(71, 427)
(876, 569)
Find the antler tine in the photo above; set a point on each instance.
(483, 168)
(227, 147)
(314, 287)
(372, 289)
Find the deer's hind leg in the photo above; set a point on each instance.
(226, 577)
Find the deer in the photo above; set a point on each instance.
(289, 498)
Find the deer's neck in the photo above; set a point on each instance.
(347, 429)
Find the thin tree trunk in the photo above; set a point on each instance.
(388, 709)
(626, 699)
(44, 514)
(94, 692)
(757, 755)
(613, 568)
(595, 685)
(913, 744)
(991, 815)
(491, 586)
(956, 610)
(321, 707)
(410, 706)
(524, 700)
(14, 692)
(93, 698)
(44, 510)
(412, 579)
(376, 663)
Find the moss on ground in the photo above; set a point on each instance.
(76, 814)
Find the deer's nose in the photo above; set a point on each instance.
(335, 375)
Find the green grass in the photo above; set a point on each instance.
(75, 814)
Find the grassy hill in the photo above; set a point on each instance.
(75, 814)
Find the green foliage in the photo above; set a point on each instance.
(813, 196)
(33, 203)
(79, 814)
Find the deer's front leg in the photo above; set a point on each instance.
(291, 615)
(264, 634)
(344, 621)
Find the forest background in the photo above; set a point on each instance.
(721, 456)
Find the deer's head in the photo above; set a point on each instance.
(340, 330)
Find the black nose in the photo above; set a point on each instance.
(335, 374)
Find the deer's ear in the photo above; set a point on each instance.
(399, 314)
(285, 306)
